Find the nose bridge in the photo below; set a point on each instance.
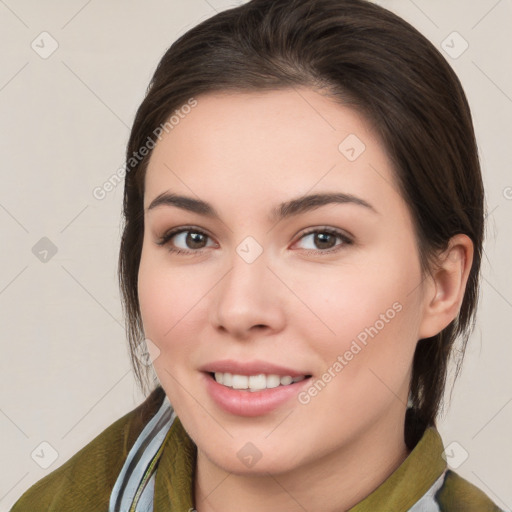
(249, 270)
(247, 294)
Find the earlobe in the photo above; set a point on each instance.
(445, 288)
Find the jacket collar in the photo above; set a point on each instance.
(174, 485)
(411, 480)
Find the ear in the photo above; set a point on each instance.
(444, 289)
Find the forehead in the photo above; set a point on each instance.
(291, 141)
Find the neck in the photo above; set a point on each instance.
(333, 483)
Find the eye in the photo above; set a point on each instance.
(325, 238)
(191, 239)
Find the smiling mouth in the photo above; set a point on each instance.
(258, 382)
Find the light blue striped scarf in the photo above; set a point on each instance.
(135, 485)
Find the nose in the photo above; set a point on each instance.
(248, 300)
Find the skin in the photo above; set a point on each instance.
(245, 154)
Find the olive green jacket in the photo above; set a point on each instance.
(85, 481)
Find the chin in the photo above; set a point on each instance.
(248, 458)
(259, 468)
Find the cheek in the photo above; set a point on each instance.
(350, 300)
(167, 308)
(369, 314)
(365, 365)
(154, 293)
(166, 298)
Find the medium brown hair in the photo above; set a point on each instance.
(364, 57)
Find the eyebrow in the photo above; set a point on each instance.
(284, 210)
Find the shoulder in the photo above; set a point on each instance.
(456, 494)
(85, 481)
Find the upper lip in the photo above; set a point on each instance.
(254, 367)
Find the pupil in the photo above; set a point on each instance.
(194, 238)
(322, 237)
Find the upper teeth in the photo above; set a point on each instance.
(254, 382)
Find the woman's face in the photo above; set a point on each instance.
(328, 289)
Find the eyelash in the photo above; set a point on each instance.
(165, 239)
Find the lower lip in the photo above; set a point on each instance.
(251, 403)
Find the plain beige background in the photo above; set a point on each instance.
(65, 117)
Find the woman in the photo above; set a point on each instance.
(304, 220)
